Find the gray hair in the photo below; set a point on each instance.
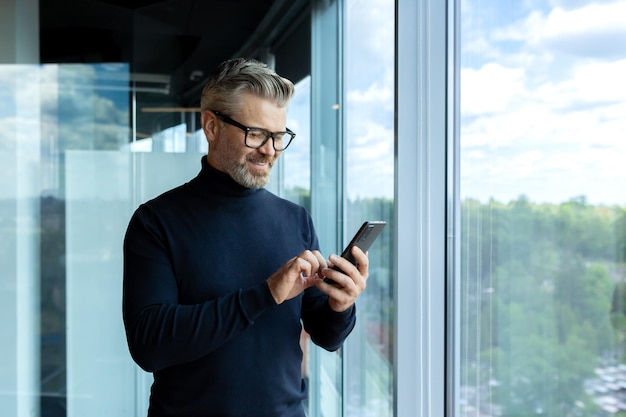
(223, 91)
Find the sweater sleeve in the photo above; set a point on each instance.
(160, 331)
(328, 328)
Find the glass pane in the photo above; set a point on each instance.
(369, 185)
(69, 182)
(543, 217)
(20, 208)
(296, 170)
(297, 158)
(325, 368)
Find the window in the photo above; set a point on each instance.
(368, 86)
(543, 208)
(296, 160)
(89, 149)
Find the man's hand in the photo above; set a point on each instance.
(349, 282)
(296, 275)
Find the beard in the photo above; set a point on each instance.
(231, 161)
(241, 174)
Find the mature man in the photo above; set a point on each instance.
(220, 275)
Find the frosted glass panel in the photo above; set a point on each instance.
(19, 241)
(172, 139)
(69, 183)
(98, 207)
(159, 172)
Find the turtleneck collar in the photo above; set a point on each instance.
(213, 181)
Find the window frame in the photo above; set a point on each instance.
(424, 140)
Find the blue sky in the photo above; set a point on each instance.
(368, 101)
(543, 101)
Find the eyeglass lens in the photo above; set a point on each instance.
(257, 138)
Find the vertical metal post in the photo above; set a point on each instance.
(420, 197)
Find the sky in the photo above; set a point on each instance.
(543, 101)
(368, 104)
(297, 158)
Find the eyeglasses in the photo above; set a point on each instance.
(257, 137)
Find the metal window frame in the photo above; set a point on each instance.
(425, 214)
(327, 183)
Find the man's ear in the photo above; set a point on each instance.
(210, 125)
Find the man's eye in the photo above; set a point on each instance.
(257, 134)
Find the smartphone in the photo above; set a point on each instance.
(363, 238)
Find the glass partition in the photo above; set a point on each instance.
(326, 368)
(543, 219)
(81, 146)
(71, 176)
(20, 251)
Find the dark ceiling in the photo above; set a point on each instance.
(180, 39)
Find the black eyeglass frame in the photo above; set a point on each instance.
(246, 129)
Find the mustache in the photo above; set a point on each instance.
(261, 159)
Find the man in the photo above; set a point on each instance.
(220, 275)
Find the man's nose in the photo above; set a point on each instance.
(268, 147)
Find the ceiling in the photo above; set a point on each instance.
(180, 41)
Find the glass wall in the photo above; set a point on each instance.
(341, 168)
(20, 210)
(70, 181)
(368, 85)
(543, 208)
(83, 145)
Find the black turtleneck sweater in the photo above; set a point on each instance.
(197, 309)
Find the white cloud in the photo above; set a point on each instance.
(369, 80)
(573, 4)
(543, 105)
(589, 19)
(491, 88)
(525, 30)
(590, 30)
(590, 83)
(546, 154)
(371, 28)
(375, 93)
(525, 164)
(595, 30)
(370, 168)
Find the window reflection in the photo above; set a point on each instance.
(297, 159)
(543, 208)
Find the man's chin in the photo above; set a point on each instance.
(247, 179)
(259, 182)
